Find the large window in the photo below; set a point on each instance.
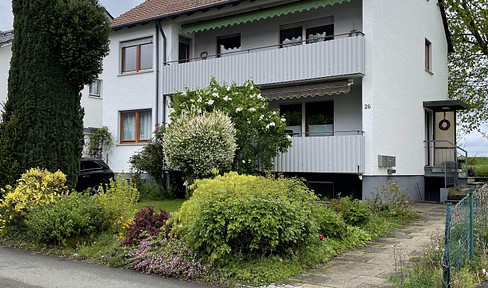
(135, 126)
(291, 36)
(137, 56)
(319, 118)
(94, 88)
(293, 115)
(312, 31)
(320, 33)
(228, 44)
(183, 50)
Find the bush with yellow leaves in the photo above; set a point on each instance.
(36, 187)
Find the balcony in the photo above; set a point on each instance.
(344, 55)
(341, 153)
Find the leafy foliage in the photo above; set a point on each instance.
(146, 223)
(331, 223)
(10, 165)
(167, 257)
(468, 64)
(247, 215)
(64, 51)
(150, 158)
(35, 188)
(259, 131)
(199, 144)
(390, 198)
(75, 215)
(354, 211)
(117, 200)
(100, 141)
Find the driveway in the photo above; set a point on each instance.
(22, 269)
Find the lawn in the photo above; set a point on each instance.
(480, 165)
(168, 205)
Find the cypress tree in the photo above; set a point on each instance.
(58, 47)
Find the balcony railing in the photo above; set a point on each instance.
(341, 153)
(344, 55)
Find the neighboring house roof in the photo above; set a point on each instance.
(155, 9)
(6, 37)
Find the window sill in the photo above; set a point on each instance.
(430, 72)
(135, 72)
(131, 144)
(94, 97)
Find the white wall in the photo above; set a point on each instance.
(5, 55)
(395, 82)
(122, 92)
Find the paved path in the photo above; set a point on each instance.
(22, 269)
(372, 265)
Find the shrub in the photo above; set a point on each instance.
(72, 216)
(248, 215)
(259, 131)
(150, 158)
(354, 211)
(198, 144)
(146, 222)
(166, 256)
(118, 199)
(331, 223)
(35, 188)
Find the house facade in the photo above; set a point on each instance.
(361, 83)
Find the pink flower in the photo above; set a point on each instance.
(322, 237)
(389, 198)
(457, 214)
(459, 218)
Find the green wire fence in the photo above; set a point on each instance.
(466, 231)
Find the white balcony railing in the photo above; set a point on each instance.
(323, 154)
(341, 56)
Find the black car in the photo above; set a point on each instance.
(94, 174)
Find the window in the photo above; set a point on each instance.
(428, 55)
(291, 37)
(94, 88)
(319, 118)
(135, 126)
(320, 33)
(228, 44)
(184, 50)
(137, 56)
(293, 115)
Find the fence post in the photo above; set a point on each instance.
(446, 274)
(471, 225)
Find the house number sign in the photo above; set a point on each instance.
(367, 106)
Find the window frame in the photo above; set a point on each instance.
(428, 56)
(99, 87)
(138, 45)
(137, 128)
(187, 43)
(309, 110)
(219, 53)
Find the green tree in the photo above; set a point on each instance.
(58, 47)
(468, 65)
(259, 131)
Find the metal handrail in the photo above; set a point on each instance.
(187, 60)
(452, 146)
(324, 133)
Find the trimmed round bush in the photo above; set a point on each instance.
(248, 216)
(197, 144)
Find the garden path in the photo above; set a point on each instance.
(373, 265)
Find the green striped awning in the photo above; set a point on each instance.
(259, 14)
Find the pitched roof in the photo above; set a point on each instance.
(154, 9)
(6, 37)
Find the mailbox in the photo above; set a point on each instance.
(386, 161)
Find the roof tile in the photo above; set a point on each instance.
(158, 8)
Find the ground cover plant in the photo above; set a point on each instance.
(479, 165)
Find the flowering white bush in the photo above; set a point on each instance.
(197, 143)
(259, 131)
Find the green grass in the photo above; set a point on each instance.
(168, 205)
(480, 165)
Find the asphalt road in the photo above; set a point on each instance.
(22, 269)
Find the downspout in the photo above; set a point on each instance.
(160, 30)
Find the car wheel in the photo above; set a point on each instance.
(95, 190)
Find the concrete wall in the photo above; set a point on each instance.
(414, 186)
(396, 83)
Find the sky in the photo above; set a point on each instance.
(474, 143)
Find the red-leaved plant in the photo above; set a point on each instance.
(146, 223)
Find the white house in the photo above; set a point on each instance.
(362, 83)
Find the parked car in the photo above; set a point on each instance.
(94, 175)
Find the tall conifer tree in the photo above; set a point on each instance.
(58, 47)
